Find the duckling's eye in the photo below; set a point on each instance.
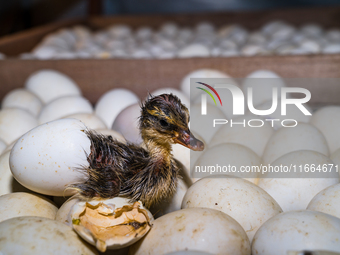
(164, 123)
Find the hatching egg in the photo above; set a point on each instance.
(200, 229)
(47, 158)
(26, 204)
(327, 120)
(288, 139)
(327, 201)
(184, 99)
(306, 174)
(23, 99)
(113, 133)
(127, 123)
(297, 230)
(40, 236)
(112, 103)
(89, 119)
(64, 106)
(15, 122)
(51, 84)
(247, 203)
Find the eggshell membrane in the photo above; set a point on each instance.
(254, 138)
(41, 236)
(64, 106)
(228, 154)
(112, 103)
(200, 73)
(23, 99)
(235, 197)
(327, 201)
(89, 119)
(14, 123)
(47, 159)
(25, 204)
(113, 133)
(64, 214)
(296, 193)
(51, 84)
(127, 123)
(297, 230)
(200, 229)
(327, 120)
(288, 139)
(183, 97)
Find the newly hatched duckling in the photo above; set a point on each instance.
(147, 174)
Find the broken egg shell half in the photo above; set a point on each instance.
(111, 223)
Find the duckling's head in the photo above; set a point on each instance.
(164, 120)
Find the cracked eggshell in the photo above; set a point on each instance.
(297, 230)
(15, 122)
(327, 201)
(64, 106)
(40, 236)
(327, 120)
(200, 229)
(294, 190)
(64, 214)
(235, 197)
(112, 103)
(287, 139)
(47, 158)
(23, 99)
(50, 84)
(25, 204)
(89, 119)
(111, 223)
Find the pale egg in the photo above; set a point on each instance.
(327, 120)
(23, 99)
(25, 204)
(89, 119)
(51, 84)
(40, 236)
(64, 106)
(327, 201)
(247, 203)
(112, 103)
(194, 50)
(287, 139)
(200, 229)
(14, 123)
(48, 158)
(295, 178)
(298, 230)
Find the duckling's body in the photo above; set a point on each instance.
(146, 173)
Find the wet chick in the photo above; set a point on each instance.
(147, 173)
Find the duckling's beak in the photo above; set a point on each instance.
(187, 139)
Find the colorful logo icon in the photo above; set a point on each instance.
(209, 93)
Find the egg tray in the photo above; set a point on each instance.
(96, 76)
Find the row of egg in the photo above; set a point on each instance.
(171, 40)
(197, 224)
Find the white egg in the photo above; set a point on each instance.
(227, 159)
(327, 201)
(200, 229)
(194, 50)
(127, 123)
(327, 120)
(253, 49)
(26, 204)
(47, 158)
(255, 138)
(183, 97)
(112, 103)
(298, 230)
(200, 73)
(295, 188)
(335, 157)
(113, 133)
(50, 84)
(247, 203)
(64, 106)
(89, 119)
(40, 236)
(288, 139)
(331, 48)
(23, 99)
(14, 123)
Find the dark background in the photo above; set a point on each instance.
(16, 15)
